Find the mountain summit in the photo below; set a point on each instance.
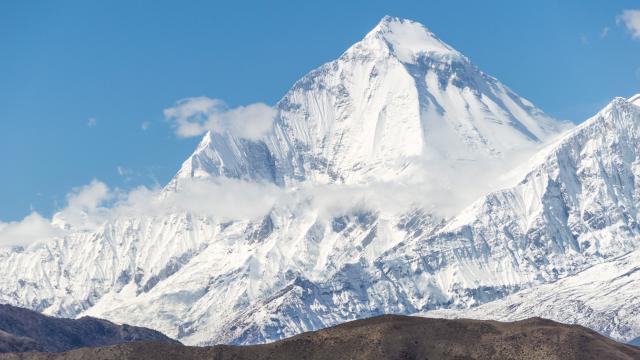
(396, 104)
(408, 40)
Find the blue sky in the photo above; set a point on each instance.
(83, 84)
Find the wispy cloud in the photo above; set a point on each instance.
(91, 122)
(92, 205)
(584, 40)
(121, 170)
(126, 174)
(631, 20)
(145, 125)
(197, 115)
(605, 32)
(443, 193)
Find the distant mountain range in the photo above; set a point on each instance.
(23, 330)
(390, 337)
(405, 181)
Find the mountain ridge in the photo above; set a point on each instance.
(23, 330)
(392, 337)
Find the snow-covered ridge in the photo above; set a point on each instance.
(604, 298)
(399, 112)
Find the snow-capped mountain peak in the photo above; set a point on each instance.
(227, 156)
(392, 102)
(615, 115)
(408, 40)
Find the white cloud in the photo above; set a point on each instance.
(631, 19)
(85, 210)
(86, 207)
(441, 188)
(90, 206)
(213, 198)
(125, 173)
(201, 197)
(91, 122)
(605, 32)
(31, 229)
(145, 125)
(197, 115)
(90, 196)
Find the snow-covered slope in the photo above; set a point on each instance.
(604, 297)
(398, 108)
(575, 206)
(601, 220)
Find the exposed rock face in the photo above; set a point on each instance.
(26, 330)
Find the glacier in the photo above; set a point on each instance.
(404, 180)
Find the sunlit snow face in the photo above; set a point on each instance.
(410, 40)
